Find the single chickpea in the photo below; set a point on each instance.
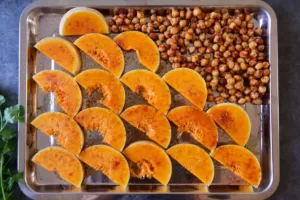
(197, 11)
(140, 14)
(264, 79)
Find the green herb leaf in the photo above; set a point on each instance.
(14, 114)
(2, 99)
(7, 172)
(7, 133)
(14, 179)
(11, 146)
(8, 144)
(9, 196)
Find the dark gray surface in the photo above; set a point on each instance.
(289, 90)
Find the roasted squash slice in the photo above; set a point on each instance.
(109, 85)
(234, 120)
(82, 20)
(106, 123)
(63, 52)
(150, 121)
(109, 161)
(104, 51)
(195, 160)
(240, 161)
(151, 161)
(188, 83)
(61, 161)
(197, 123)
(67, 131)
(144, 46)
(153, 88)
(65, 88)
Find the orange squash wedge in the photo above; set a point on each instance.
(109, 161)
(148, 120)
(153, 88)
(63, 52)
(240, 161)
(67, 131)
(197, 123)
(111, 87)
(61, 161)
(65, 88)
(106, 123)
(234, 120)
(188, 83)
(104, 51)
(82, 20)
(151, 161)
(144, 46)
(195, 160)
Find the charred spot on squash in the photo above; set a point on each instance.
(225, 119)
(115, 164)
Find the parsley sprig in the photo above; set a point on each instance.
(8, 143)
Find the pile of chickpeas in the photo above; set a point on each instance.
(223, 46)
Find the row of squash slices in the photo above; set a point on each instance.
(151, 158)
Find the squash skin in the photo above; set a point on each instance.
(104, 51)
(234, 120)
(112, 89)
(152, 87)
(61, 161)
(188, 83)
(197, 123)
(82, 20)
(106, 123)
(68, 133)
(148, 120)
(144, 46)
(67, 92)
(195, 160)
(240, 161)
(109, 161)
(63, 52)
(150, 157)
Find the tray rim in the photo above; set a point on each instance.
(274, 98)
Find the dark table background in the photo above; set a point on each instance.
(288, 16)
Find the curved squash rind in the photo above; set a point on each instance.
(63, 52)
(144, 46)
(188, 83)
(150, 121)
(153, 88)
(240, 161)
(61, 161)
(106, 123)
(197, 123)
(109, 161)
(112, 89)
(67, 131)
(104, 51)
(82, 20)
(65, 88)
(195, 160)
(145, 151)
(234, 120)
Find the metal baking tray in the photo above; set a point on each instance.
(41, 19)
